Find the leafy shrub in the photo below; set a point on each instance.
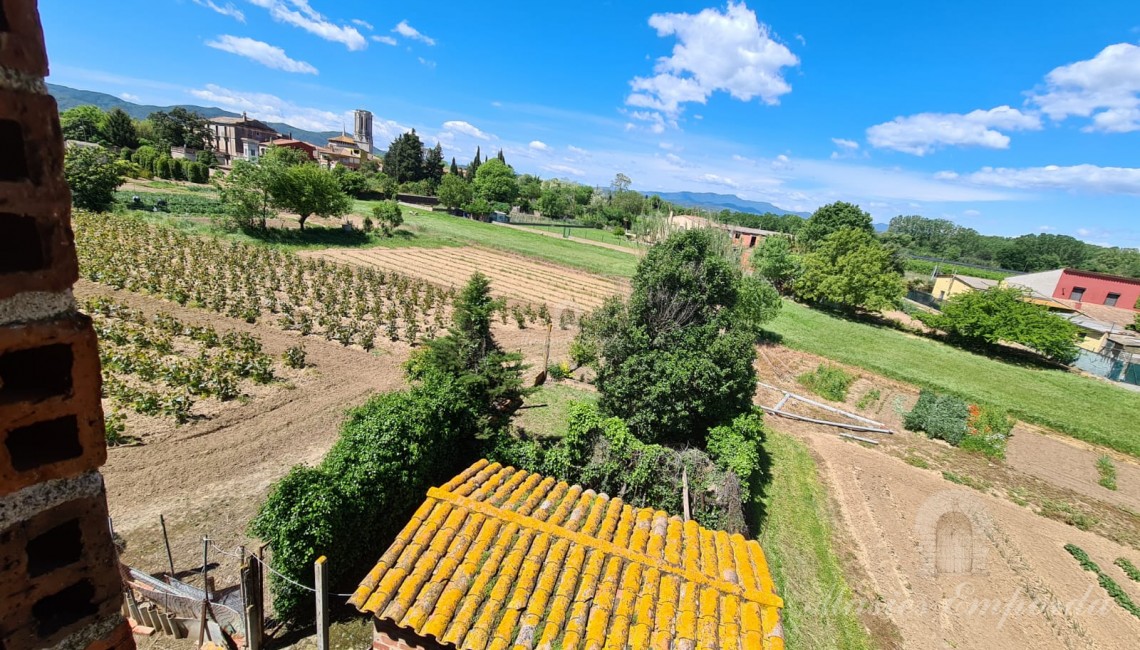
(601, 454)
(987, 430)
(390, 450)
(1065, 513)
(736, 447)
(1107, 470)
(115, 428)
(558, 371)
(294, 356)
(196, 172)
(938, 416)
(618, 231)
(567, 318)
(827, 381)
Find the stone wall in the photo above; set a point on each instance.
(59, 580)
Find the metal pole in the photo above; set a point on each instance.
(685, 490)
(322, 603)
(166, 540)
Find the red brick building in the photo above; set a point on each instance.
(1083, 287)
(59, 577)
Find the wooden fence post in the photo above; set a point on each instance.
(319, 568)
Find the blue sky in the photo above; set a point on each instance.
(1008, 117)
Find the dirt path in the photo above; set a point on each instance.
(1016, 587)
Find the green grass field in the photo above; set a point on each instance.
(546, 411)
(439, 229)
(1084, 408)
(592, 234)
(796, 536)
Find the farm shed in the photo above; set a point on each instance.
(499, 558)
(948, 286)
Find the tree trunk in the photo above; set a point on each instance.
(302, 218)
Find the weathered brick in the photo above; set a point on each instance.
(31, 167)
(37, 248)
(51, 423)
(58, 573)
(119, 639)
(21, 38)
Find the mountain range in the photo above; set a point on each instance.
(718, 202)
(68, 97)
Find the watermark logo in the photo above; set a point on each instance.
(952, 529)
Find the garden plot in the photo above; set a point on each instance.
(512, 276)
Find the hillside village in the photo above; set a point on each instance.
(259, 391)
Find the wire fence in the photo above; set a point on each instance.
(263, 563)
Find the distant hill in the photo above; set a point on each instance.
(71, 97)
(718, 202)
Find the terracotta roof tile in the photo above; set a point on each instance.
(501, 559)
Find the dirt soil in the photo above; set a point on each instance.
(208, 477)
(512, 276)
(997, 578)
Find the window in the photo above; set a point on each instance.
(1110, 301)
(1078, 294)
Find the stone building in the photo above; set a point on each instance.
(362, 129)
(59, 579)
(237, 138)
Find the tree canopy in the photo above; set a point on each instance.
(676, 358)
(775, 261)
(308, 189)
(495, 182)
(851, 269)
(1001, 314)
(405, 158)
(832, 218)
(454, 191)
(180, 128)
(93, 175)
(83, 123)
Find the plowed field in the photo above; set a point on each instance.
(512, 277)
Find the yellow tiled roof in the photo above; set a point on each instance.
(500, 559)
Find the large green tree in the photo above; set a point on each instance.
(307, 190)
(932, 236)
(832, 218)
(180, 128)
(93, 175)
(454, 191)
(676, 358)
(473, 167)
(495, 182)
(1002, 315)
(433, 164)
(775, 261)
(404, 161)
(1031, 253)
(120, 129)
(83, 123)
(851, 269)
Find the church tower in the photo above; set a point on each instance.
(362, 129)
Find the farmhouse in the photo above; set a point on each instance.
(1082, 287)
(948, 286)
(238, 138)
(501, 558)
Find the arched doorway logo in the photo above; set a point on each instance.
(952, 529)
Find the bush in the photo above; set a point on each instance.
(618, 231)
(736, 447)
(198, 173)
(987, 430)
(938, 416)
(164, 167)
(601, 454)
(92, 174)
(827, 381)
(390, 451)
(558, 371)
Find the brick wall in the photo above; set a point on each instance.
(59, 581)
(386, 635)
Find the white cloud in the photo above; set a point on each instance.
(1045, 228)
(539, 145)
(1075, 178)
(578, 150)
(300, 14)
(781, 162)
(129, 97)
(971, 213)
(362, 23)
(226, 10)
(564, 169)
(387, 40)
(845, 144)
(1084, 232)
(267, 55)
(801, 39)
(407, 31)
(466, 128)
(426, 63)
(675, 159)
(925, 132)
(270, 108)
(1105, 88)
(654, 122)
(729, 51)
(714, 179)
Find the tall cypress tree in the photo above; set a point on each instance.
(474, 166)
(454, 167)
(433, 163)
(502, 158)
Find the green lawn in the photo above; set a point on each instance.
(545, 412)
(1088, 409)
(440, 229)
(592, 234)
(796, 536)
